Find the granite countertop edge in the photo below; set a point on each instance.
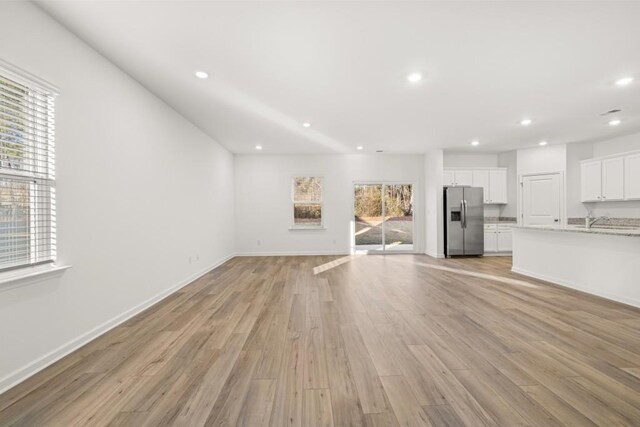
(501, 222)
(575, 229)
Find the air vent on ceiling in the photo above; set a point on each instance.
(611, 112)
(378, 151)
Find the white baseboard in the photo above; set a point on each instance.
(30, 369)
(434, 255)
(567, 284)
(498, 254)
(301, 253)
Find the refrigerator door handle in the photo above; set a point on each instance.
(463, 213)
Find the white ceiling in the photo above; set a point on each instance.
(342, 66)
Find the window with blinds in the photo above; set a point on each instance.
(27, 173)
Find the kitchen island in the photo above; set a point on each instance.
(600, 261)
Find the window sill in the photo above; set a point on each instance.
(307, 228)
(28, 275)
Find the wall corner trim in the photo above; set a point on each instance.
(434, 255)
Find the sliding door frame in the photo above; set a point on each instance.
(384, 184)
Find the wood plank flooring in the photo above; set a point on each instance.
(349, 341)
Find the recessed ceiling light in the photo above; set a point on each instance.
(624, 81)
(475, 142)
(201, 74)
(526, 122)
(359, 147)
(615, 122)
(542, 143)
(306, 125)
(258, 147)
(414, 77)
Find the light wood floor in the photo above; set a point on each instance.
(377, 340)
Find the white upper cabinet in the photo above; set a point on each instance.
(449, 178)
(632, 177)
(497, 186)
(505, 240)
(591, 176)
(492, 180)
(481, 179)
(464, 177)
(453, 177)
(613, 179)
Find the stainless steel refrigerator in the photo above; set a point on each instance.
(464, 221)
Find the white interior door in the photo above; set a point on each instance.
(541, 199)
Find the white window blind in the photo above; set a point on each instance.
(27, 173)
(307, 202)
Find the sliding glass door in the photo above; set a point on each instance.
(398, 218)
(383, 217)
(368, 217)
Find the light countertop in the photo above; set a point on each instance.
(608, 230)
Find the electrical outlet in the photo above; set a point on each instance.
(334, 241)
(259, 242)
(197, 257)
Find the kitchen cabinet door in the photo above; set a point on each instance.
(632, 177)
(490, 241)
(505, 243)
(449, 178)
(591, 181)
(497, 186)
(481, 179)
(464, 177)
(613, 179)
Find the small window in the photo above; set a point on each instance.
(27, 173)
(307, 202)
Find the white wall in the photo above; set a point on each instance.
(552, 158)
(509, 160)
(576, 153)
(140, 190)
(617, 145)
(469, 160)
(433, 164)
(598, 264)
(263, 199)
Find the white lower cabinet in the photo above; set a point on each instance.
(504, 240)
(490, 241)
(497, 239)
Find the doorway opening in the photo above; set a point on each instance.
(383, 218)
